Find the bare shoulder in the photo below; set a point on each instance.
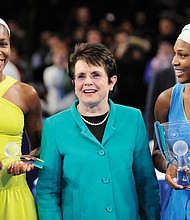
(162, 105)
(26, 88)
(165, 96)
(24, 96)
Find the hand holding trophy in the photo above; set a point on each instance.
(11, 150)
(174, 142)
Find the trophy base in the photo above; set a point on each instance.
(182, 178)
(32, 160)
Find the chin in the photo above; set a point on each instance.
(182, 80)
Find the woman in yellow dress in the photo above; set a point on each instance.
(19, 108)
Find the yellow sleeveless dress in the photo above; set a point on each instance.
(16, 199)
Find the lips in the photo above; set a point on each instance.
(2, 62)
(179, 72)
(89, 91)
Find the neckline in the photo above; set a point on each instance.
(95, 120)
(3, 78)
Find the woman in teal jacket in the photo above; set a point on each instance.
(97, 162)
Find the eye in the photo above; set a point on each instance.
(96, 76)
(80, 76)
(184, 55)
(3, 44)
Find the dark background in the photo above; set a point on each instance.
(37, 15)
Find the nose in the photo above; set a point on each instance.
(175, 61)
(88, 80)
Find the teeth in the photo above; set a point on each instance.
(88, 91)
(179, 71)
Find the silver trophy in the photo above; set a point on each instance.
(174, 142)
(11, 150)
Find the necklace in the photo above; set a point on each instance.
(95, 124)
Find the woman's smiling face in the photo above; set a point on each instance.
(181, 61)
(91, 83)
(4, 47)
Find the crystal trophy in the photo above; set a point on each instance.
(174, 143)
(11, 150)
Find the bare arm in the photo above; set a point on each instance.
(33, 122)
(161, 110)
(26, 98)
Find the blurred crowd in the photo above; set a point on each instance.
(140, 46)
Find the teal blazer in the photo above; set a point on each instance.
(84, 179)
